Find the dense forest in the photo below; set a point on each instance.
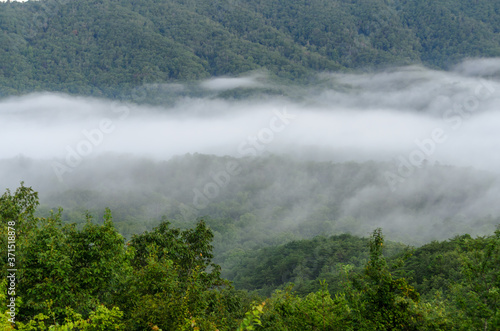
(90, 278)
(106, 47)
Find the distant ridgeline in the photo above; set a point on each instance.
(106, 48)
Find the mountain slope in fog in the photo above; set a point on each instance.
(271, 197)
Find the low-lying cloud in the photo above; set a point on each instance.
(406, 118)
(350, 116)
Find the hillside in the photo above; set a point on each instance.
(104, 47)
(273, 200)
(90, 278)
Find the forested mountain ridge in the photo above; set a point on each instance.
(105, 47)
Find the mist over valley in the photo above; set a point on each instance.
(407, 149)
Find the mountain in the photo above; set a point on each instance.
(106, 47)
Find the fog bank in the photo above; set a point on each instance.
(406, 119)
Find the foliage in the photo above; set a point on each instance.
(302, 262)
(478, 295)
(252, 318)
(371, 299)
(5, 324)
(386, 300)
(102, 319)
(87, 278)
(19, 207)
(316, 311)
(174, 279)
(75, 268)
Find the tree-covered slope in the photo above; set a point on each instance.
(68, 277)
(89, 278)
(104, 47)
(302, 262)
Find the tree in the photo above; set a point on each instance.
(176, 285)
(384, 301)
(479, 294)
(75, 268)
(71, 268)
